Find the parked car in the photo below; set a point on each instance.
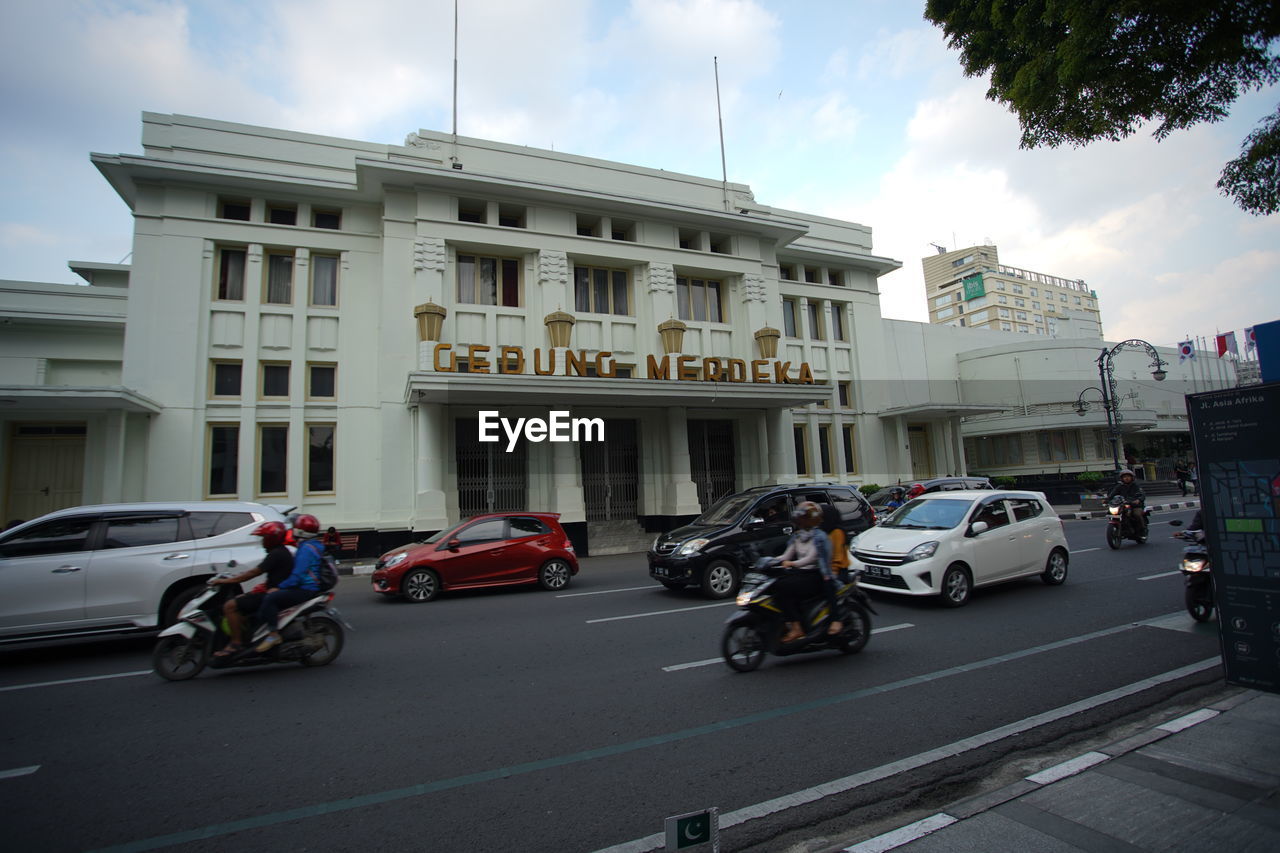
(714, 550)
(498, 549)
(880, 499)
(948, 543)
(114, 567)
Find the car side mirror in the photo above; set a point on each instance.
(454, 544)
(754, 523)
(978, 527)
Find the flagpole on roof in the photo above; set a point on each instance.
(724, 169)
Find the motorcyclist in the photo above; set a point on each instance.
(301, 584)
(807, 560)
(276, 565)
(1127, 487)
(897, 497)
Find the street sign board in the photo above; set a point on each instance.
(695, 829)
(1239, 460)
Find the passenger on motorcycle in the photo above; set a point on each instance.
(276, 565)
(301, 584)
(897, 497)
(1129, 489)
(808, 561)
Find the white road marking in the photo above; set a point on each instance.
(710, 661)
(1085, 550)
(19, 771)
(74, 680)
(660, 612)
(607, 591)
(1161, 575)
(1068, 768)
(904, 835)
(1189, 720)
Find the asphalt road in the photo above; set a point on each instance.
(526, 720)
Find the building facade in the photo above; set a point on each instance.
(970, 287)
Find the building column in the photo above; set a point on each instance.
(430, 511)
(904, 449)
(682, 497)
(566, 482)
(782, 455)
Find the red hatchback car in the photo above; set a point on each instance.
(499, 549)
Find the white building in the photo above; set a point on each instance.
(321, 322)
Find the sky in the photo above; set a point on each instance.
(853, 109)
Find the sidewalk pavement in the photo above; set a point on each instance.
(1074, 511)
(1209, 780)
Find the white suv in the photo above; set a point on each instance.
(948, 543)
(114, 567)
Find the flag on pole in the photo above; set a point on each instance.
(1227, 344)
(1186, 350)
(1249, 340)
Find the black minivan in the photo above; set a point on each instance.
(714, 549)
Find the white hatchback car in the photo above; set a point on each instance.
(114, 567)
(948, 543)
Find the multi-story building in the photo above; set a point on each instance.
(971, 288)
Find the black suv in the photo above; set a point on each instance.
(714, 549)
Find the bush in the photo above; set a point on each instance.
(870, 489)
(1089, 476)
(1005, 482)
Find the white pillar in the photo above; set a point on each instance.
(566, 482)
(682, 497)
(782, 454)
(430, 512)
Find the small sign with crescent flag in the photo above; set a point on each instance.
(686, 831)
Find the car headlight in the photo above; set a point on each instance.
(1195, 564)
(922, 552)
(693, 546)
(396, 560)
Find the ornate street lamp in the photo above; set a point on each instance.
(1110, 399)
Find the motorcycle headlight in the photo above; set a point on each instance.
(1114, 510)
(693, 546)
(1195, 564)
(396, 560)
(922, 552)
(744, 598)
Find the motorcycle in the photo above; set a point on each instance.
(1123, 522)
(312, 633)
(758, 628)
(1196, 574)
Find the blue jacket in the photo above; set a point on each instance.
(306, 567)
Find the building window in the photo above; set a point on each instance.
(282, 214)
(787, 272)
(224, 453)
(320, 457)
(275, 381)
(837, 321)
(698, 299)
(231, 274)
(815, 320)
(511, 216)
(489, 281)
(687, 238)
(789, 318)
(997, 451)
(226, 379)
(601, 291)
(279, 279)
(233, 208)
(844, 392)
(835, 278)
(801, 439)
(326, 218)
(1060, 446)
(721, 244)
(979, 317)
(273, 458)
(322, 381)
(588, 226)
(945, 313)
(472, 210)
(850, 456)
(824, 448)
(324, 280)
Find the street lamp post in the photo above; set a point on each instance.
(1110, 398)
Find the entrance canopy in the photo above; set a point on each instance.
(74, 399)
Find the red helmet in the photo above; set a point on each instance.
(272, 533)
(916, 491)
(306, 526)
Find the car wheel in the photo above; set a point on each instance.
(1113, 536)
(420, 585)
(179, 600)
(743, 647)
(857, 630)
(554, 575)
(719, 579)
(1055, 568)
(674, 586)
(326, 639)
(956, 586)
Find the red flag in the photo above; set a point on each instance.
(1222, 345)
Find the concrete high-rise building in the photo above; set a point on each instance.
(970, 287)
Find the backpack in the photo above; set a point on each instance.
(326, 570)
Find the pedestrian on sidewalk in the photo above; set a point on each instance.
(1182, 474)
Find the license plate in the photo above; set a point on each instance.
(878, 571)
(660, 572)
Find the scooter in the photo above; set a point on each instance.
(312, 632)
(1123, 522)
(1196, 574)
(757, 629)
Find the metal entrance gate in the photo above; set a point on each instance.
(712, 459)
(611, 473)
(489, 478)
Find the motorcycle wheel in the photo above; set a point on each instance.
(329, 638)
(1113, 536)
(177, 658)
(1200, 610)
(743, 647)
(857, 630)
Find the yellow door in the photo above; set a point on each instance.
(921, 455)
(46, 471)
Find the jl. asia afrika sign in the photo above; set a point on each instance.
(690, 368)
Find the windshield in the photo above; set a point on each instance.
(936, 514)
(724, 510)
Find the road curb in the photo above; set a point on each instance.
(1101, 513)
